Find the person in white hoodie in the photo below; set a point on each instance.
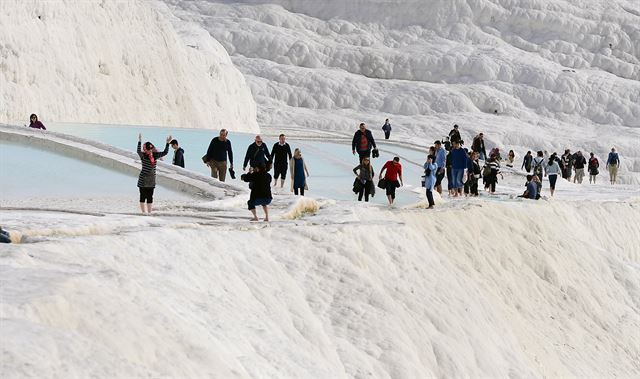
(551, 170)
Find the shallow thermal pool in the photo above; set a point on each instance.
(330, 163)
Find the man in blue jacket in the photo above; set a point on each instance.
(363, 142)
(459, 160)
(532, 189)
(386, 128)
(613, 162)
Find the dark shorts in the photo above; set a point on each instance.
(439, 177)
(261, 201)
(280, 170)
(391, 188)
(552, 181)
(146, 194)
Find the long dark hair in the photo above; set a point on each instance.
(149, 149)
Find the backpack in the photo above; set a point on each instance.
(593, 166)
(486, 170)
(537, 169)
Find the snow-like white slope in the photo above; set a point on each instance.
(545, 67)
(127, 62)
(519, 290)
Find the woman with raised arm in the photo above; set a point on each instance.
(147, 180)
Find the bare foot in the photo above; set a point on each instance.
(254, 219)
(265, 220)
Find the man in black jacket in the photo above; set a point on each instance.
(216, 157)
(363, 142)
(178, 153)
(280, 156)
(579, 162)
(257, 154)
(454, 134)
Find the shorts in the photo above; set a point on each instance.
(280, 169)
(261, 201)
(146, 194)
(391, 188)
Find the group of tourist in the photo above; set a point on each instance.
(258, 161)
(463, 167)
(448, 158)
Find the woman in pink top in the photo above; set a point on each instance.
(35, 123)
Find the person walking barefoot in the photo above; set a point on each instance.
(260, 180)
(147, 178)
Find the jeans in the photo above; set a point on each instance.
(456, 177)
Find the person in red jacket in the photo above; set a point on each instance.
(392, 173)
(34, 123)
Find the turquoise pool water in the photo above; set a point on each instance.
(330, 163)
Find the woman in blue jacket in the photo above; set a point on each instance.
(430, 169)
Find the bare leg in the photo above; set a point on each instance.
(281, 183)
(390, 199)
(143, 209)
(266, 213)
(149, 207)
(255, 216)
